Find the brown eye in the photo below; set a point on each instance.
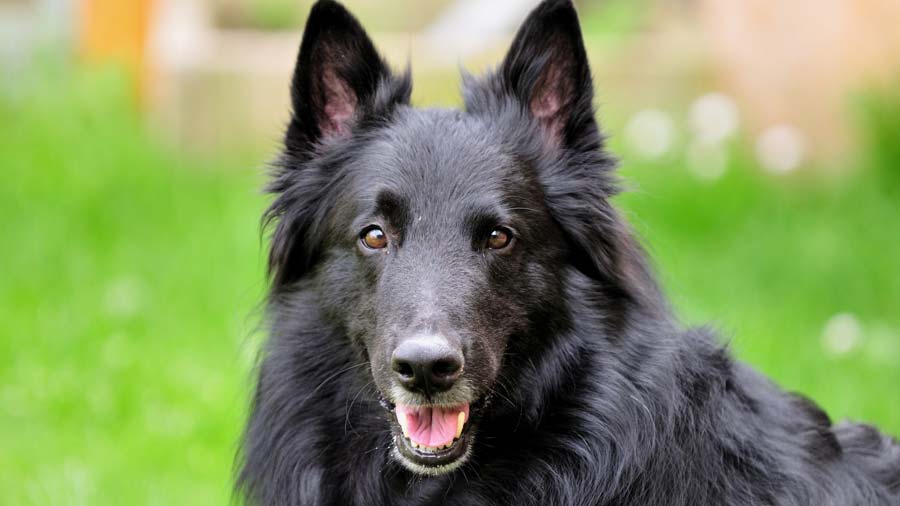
(499, 238)
(374, 238)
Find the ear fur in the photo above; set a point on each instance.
(547, 71)
(340, 81)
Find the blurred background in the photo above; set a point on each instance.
(760, 142)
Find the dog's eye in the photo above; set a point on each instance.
(499, 238)
(373, 238)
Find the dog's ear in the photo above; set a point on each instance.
(547, 76)
(547, 71)
(339, 80)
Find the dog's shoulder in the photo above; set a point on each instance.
(768, 435)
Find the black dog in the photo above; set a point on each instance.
(459, 316)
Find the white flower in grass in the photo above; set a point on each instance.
(842, 334)
(650, 133)
(714, 117)
(883, 344)
(781, 148)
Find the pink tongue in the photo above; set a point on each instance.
(431, 426)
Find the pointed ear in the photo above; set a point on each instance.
(547, 70)
(340, 79)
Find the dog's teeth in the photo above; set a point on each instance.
(460, 421)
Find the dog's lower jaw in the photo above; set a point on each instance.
(431, 470)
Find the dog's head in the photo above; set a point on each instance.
(440, 240)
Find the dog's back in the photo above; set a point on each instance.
(871, 455)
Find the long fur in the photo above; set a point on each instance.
(601, 397)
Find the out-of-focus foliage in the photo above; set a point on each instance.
(881, 117)
(129, 285)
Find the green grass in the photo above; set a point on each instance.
(131, 277)
(129, 284)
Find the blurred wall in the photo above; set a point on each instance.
(215, 72)
(799, 62)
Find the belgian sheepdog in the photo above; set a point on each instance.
(458, 315)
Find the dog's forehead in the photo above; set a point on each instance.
(438, 155)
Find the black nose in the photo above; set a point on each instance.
(427, 365)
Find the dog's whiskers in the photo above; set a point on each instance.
(347, 422)
(331, 377)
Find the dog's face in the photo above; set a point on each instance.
(451, 250)
(432, 236)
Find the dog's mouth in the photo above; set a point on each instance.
(432, 439)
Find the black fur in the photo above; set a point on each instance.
(590, 392)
